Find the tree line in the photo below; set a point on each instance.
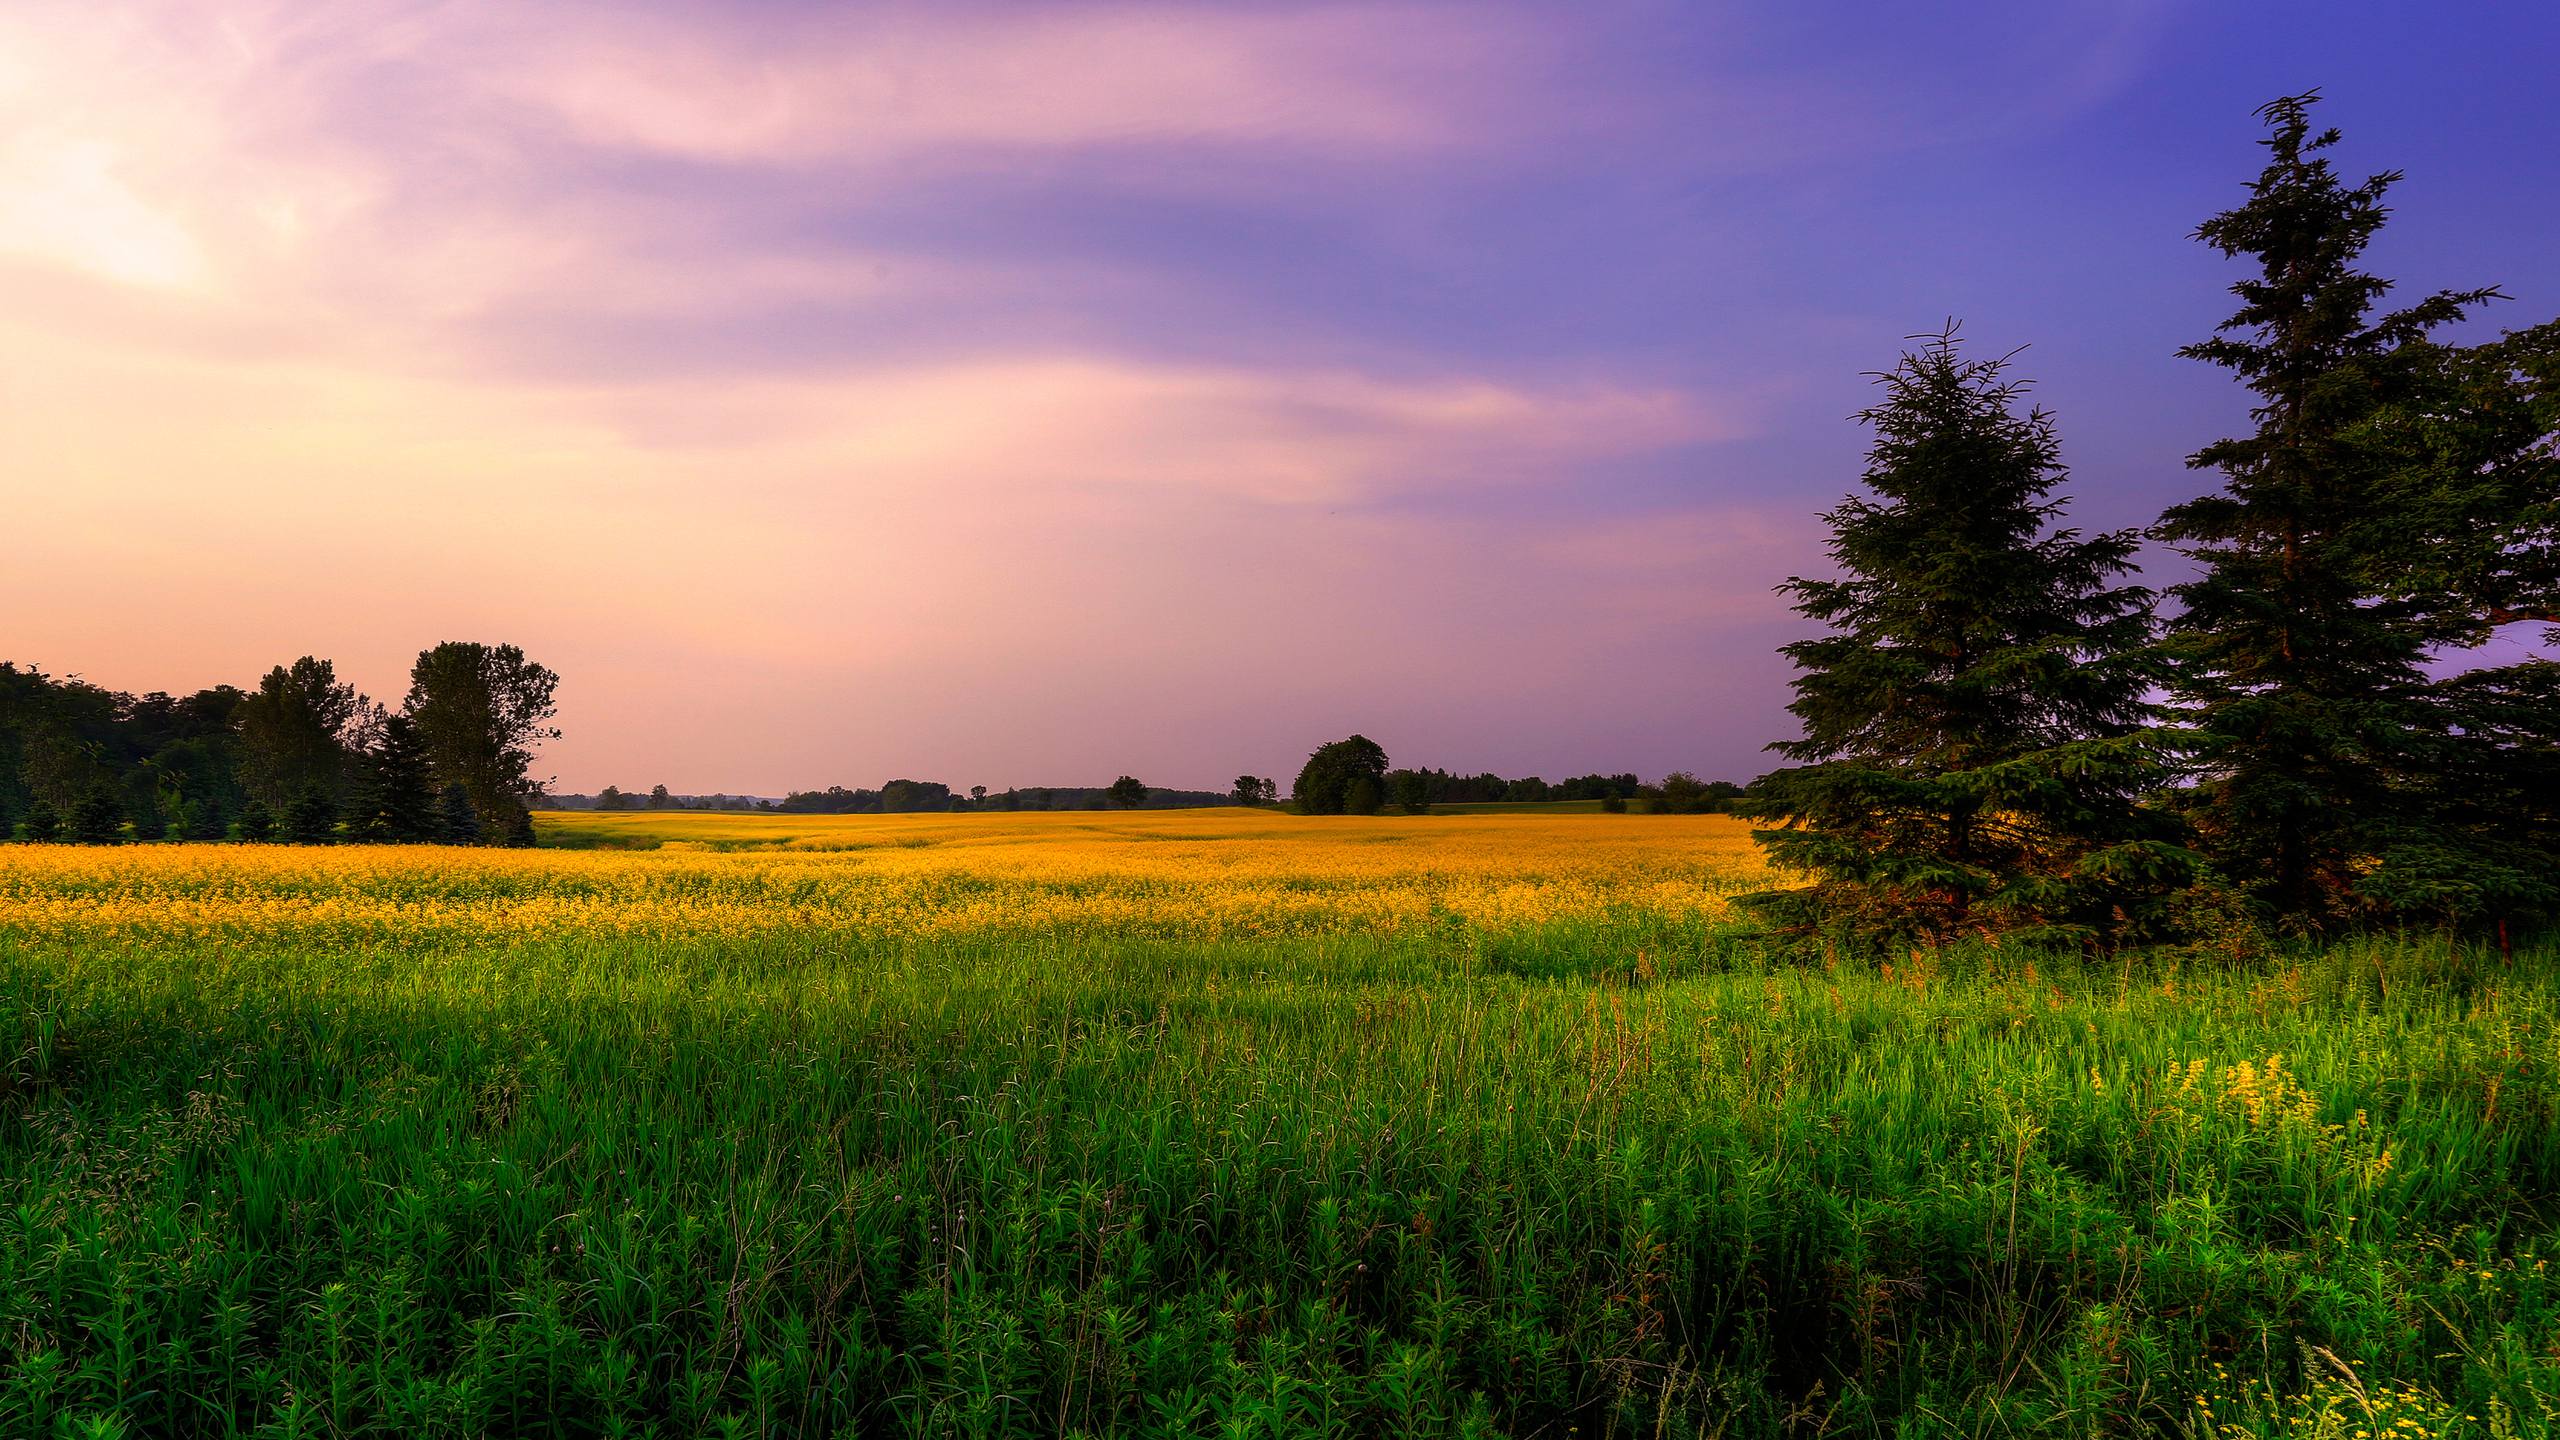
(1350, 777)
(902, 797)
(1413, 791)
(302, 757)
(2003, 736)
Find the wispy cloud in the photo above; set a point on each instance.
(879, 84)
(893, 358)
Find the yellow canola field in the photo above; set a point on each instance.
(1181, 875)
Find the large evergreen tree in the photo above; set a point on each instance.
(1975, 753)
(396, 794)
(2395, 498)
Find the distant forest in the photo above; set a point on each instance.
(301, 756)
(1410, 790)
(894, 797)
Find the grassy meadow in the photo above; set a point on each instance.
(1224, 1123)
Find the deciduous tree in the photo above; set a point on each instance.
(482, 709)
(294, 730)
(1324, 785)
(1412, 794)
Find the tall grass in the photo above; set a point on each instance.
(1599, 1175)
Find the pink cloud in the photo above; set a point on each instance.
(252, 279)
(877, 83)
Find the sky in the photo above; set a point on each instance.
(1032, 394)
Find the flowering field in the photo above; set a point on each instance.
(1223, 1123)
(1176, 875)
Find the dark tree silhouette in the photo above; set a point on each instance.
(1411, 794)
(1325, 783)
(294, 731)
(456, 822)
(395, 800)
(98, 819)
(43, 823)
(482, 709)
(312, 819)
(1974, 753)
(204, 820)
(2397, 494)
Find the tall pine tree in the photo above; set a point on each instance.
(396, 794)
(1975, 728)
(2334, 774)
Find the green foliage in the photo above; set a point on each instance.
(2397, 495)
(1127, 791)
(1255, 790)
(312, 819)
(1334, 777)
(481, 709)
(43, 823)
(1363, 796)
(1483, 1183)
(395, 794)
(1409, 792)
(257, 823)
(1976, 759)
(295, 731)
(181, 765)
(98, 819)
(1597, 787)
(61, 740)
(203, 820)
(898, 797)
(2462, 532)
(456, 822)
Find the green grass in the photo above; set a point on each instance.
(1585, 1180)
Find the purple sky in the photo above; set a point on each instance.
(1025, 395)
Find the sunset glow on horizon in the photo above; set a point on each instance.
(1019, 395)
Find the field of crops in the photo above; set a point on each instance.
(1224, 1123)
